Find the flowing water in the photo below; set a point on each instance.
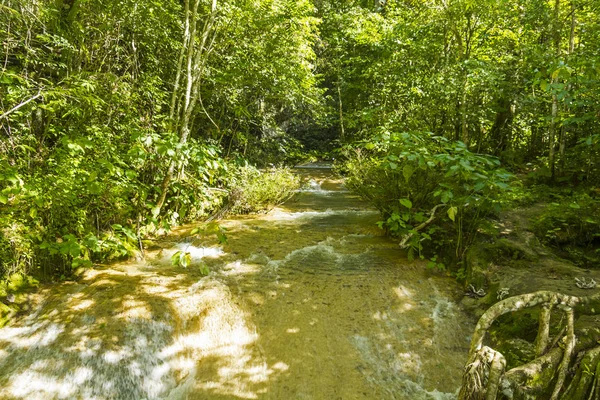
(306, 302)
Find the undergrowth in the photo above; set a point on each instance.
(259, 191)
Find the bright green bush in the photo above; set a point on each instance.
(94, 200)
(408, 175)
(253, 190)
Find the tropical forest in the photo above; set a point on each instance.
(300, 199)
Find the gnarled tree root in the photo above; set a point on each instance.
(484, 372)
(585, 383)
(485, 376)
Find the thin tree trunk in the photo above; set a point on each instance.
(463, 51)
(564, 131)
(185, 118)
(552, 144)
(186, 39)
(464, 129)
(193, 72)
(342, 131)
(573, 25)
(554, 115)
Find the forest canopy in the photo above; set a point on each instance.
(122, 118)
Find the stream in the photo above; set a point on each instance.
(309, 301)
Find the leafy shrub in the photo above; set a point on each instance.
(93, 201)
(412, 177)
(253, 190)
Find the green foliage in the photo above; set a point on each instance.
(86, 99)
(487, 73)
(92, 123)
(181, 259)
(253, 190)
(571, 224)
(409, 176)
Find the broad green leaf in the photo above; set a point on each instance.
(175, 258)
(94, 188)
(452, 213)
(129, 233)
(406, 203)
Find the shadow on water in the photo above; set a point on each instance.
(307, 302)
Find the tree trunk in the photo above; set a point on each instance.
(554, 115)
(342, 131)
(564, 130)
(186, 39)
(193, 75)
(464, 129)
(498, 133)
(552, 137)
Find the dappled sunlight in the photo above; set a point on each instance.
(133, 308)
(104, 331)
(405, 295)
(33, 385)
(38, 335)
(83, 305)
(403, 292)
(290, 306)
(241, 268)
(224, 334)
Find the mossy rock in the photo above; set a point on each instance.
(477, 266)
(18, 283)
(512, 250)
(481, 257)
(5, 314)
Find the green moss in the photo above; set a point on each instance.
(16, 285)
(5, 314)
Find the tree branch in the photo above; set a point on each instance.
(403, 243)
(6, 114)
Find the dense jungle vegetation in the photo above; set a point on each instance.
(122, 118)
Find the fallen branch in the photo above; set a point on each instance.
(418, 228)
(15, 108)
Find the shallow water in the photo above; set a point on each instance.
(306, 302)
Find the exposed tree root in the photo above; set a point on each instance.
(585, 383)
(483, 372)
(544, 377)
